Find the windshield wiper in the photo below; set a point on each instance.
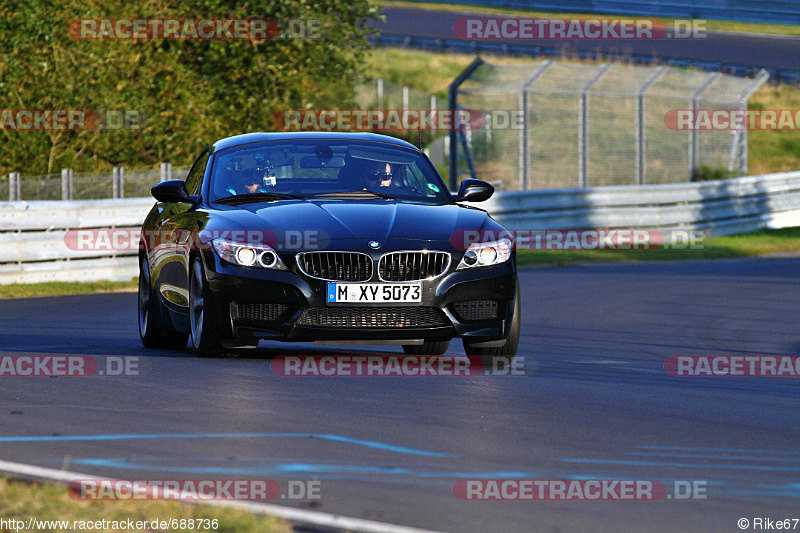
(346, 194)
(256, 197)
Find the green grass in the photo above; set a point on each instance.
(717, 25)
(732, 246)
(21, 500)
(61, 287)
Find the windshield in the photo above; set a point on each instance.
(312, 168)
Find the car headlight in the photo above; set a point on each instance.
(248, 255)
(486, 254)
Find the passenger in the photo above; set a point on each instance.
(380, 175)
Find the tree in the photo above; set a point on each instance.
(191, 91)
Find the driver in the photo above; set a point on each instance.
(380, 175)
(250, 182)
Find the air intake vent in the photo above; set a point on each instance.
(476, 310)
(260, 312)
(412, 266)
(336, 266)
(372, 317)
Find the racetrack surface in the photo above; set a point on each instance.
(594, 402)
(759, 50)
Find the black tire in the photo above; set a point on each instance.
(427, 348)
(500, 356)
(202, 315)
(153, 334)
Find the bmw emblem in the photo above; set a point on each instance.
(374, 245)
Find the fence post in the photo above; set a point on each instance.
(759, 80)
(583, 125)
(640, 124)
(166, 171)
(66, 184)
(693, 132)
(380, 93)
(433, 103)
(524, 144)
(405, 99)
(452, 93)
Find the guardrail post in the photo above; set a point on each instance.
(66, 184)
(524, 148)
(693, 159)
(118, 178)
(166, 171)
(583, 126)
(14, 187)
(641, 137)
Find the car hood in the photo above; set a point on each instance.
(365, 220)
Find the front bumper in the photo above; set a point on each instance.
(233, 286)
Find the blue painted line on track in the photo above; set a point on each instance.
(325, 436)
(759, 458)
(764, 468)
(719, 450)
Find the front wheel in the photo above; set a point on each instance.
(202, 317)
(151, 333)
(500, 356)
(427, 348)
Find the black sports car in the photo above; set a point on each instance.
(335, 238)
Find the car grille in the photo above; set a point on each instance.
(336, 266)
(476, 310)
(372, 317)
(260, 312)
(411, 266)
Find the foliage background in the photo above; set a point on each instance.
(194, 91)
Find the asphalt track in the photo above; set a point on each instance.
(594, 402)
(760, 50)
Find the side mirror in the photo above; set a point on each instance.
(173, 191)
(473, 190)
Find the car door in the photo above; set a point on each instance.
(171, 257)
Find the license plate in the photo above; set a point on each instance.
(374, 292)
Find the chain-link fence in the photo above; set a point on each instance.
(69, 185)
(382, 94)
(555, 125)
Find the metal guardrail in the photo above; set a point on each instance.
(33, 247)
(715, 207)
(777, 11)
